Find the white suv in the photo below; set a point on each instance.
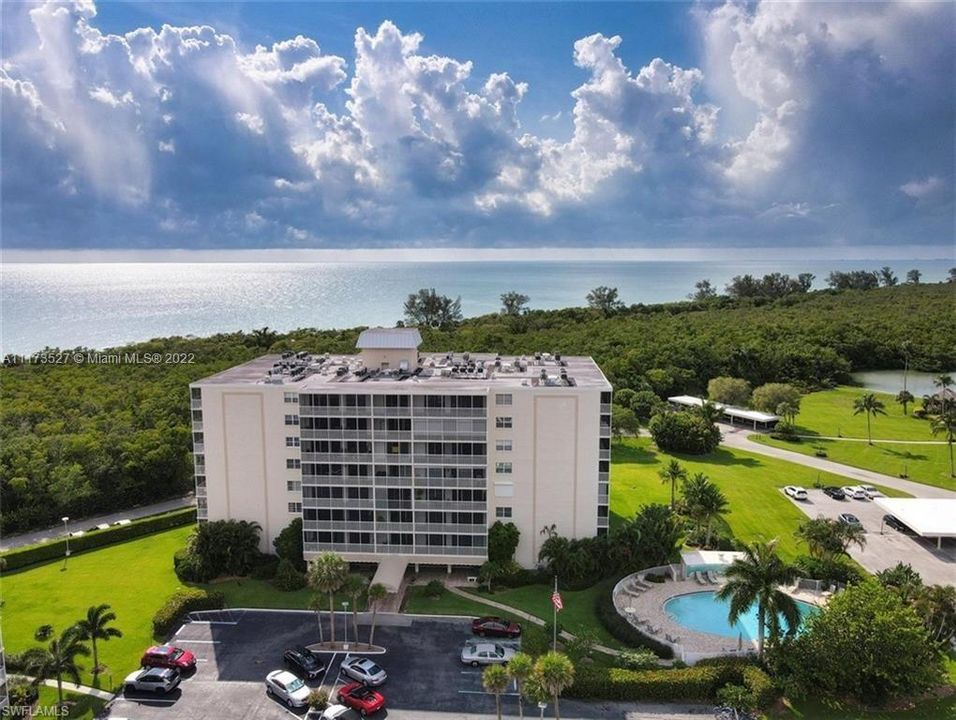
(156, 680)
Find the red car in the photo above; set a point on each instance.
(362, 698)
(495, 627)
(169, 657)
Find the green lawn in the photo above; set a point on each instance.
(758, 510)
(250, 593)
(82, 707)
(134, 577)
(830, 413)
(447, 604)
(928, 464)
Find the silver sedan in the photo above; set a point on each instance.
(364, 671)
(485, 654)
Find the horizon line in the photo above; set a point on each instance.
(872, 253)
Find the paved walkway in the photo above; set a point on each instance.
(524, 616)
(70, 687)
(12, 541)
(738, 438)
(875, 441)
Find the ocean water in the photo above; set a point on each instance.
(106, 304)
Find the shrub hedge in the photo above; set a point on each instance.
(621, 629)
(55, 549)
(696, 684)
(182, 602)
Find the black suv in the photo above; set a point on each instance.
(303, 662)
(834, 492)
(897, 524)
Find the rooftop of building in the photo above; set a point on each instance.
(305, 371)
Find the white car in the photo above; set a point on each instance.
(486, 654)
(336, 712)
(796, 492)
(288, 688)
(365, 671)
(871, 492)
(156, 680)
(854, 491)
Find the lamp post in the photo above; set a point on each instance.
(541, 706)
(345, 618)
(66, 531)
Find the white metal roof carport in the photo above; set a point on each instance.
(927, 517)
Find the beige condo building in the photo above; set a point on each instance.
(396, 453)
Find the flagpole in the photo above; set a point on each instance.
(554, 607)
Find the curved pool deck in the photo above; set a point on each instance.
(642, 604)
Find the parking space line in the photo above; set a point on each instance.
(327, 668)
(204, 642)
(482, 692)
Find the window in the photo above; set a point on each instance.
(503, 468)
(503, 445)
(295, 507)
(195, 393)
(503, 399)
(293, 463)
(292, 442)
(290, 397)
(293, 485)
(503, 422)
(291, 419)
(197, 415)
(502, 512)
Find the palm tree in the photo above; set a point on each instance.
(495, 680)
(945, 424)
(756, 579)
(327, 574)
(704, 502)
(315, 603)
(872, 406)
(710, 411)
(555, 672)
(520, 668)
(788, 411)
(354, 587)
(936, 605)
(943, 382)
(902, 578)
(58, 659)
(672, 473)
(95, 626)
(375, 594)
(904, 398)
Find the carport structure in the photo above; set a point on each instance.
(927, 517)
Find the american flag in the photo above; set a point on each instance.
(556, 601)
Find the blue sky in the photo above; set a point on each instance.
(331, 125)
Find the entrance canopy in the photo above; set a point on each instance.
(927, 517)
(708, 560)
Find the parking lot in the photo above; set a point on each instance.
(885, 547)
(236, 649)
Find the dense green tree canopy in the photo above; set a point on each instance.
(867, 643)
(82, 439)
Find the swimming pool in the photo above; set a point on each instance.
(704, 612)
